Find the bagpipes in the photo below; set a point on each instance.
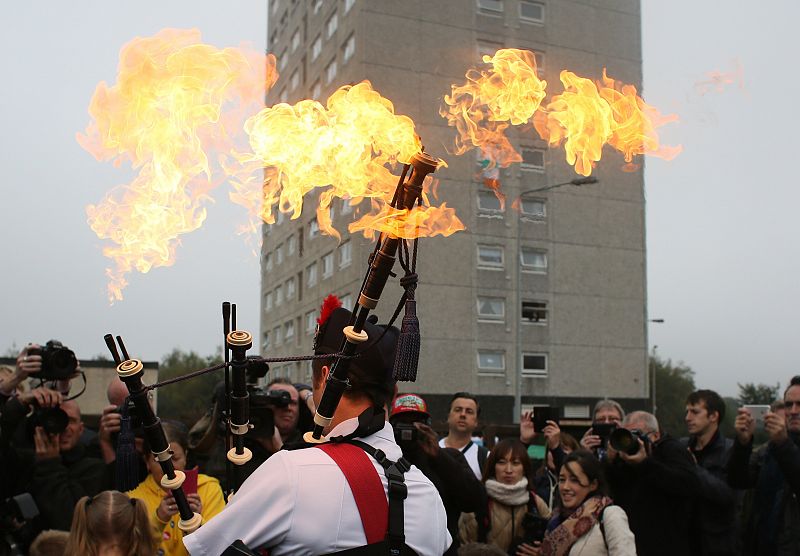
(388, 249)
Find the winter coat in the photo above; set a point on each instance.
(505, 524)
(618, 539)
(167, 535)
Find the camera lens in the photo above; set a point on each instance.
(623, 440)
(53, 420)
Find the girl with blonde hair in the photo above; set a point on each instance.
(110, 524)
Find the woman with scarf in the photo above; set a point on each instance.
(512, 505)
(587, 524)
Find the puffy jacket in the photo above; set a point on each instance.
(505, 524)
(169, 538)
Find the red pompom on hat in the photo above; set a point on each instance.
(329, 305)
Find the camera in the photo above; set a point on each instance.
(405, 433)
(604, 430)
(53, 420)
(627, 441)
(17, 529)
(58, 361)
(262, 403)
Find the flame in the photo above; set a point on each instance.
(509, 93)
(341, 149)
(588, 115)
(718, 80)
(175, 98)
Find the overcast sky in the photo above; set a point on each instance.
(722, 243)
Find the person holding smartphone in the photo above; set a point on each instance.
(202, 492)
(773, 525)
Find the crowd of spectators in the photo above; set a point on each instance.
(625, 487)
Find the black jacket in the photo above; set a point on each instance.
(58, 484)
(716, 504)
(657, 496)
(452, 476)
(772, 527)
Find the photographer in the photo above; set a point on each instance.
(607, 416)
(447, 468)
(285, 415)
(773, 526)
(654, 479)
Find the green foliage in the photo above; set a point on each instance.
(186, 401)
(731, 405)
(674, 383)
(758, 394)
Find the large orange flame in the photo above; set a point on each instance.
(341, 149)
(584, 118)
(508, 93)
(174, 99)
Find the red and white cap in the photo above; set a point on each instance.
(407, 403)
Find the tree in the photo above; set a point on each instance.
(757, 394)
(674, 383)
(188, 400)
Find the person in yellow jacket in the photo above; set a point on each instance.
(161, 507)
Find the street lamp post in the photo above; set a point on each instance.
(652, 365)
(518, 297)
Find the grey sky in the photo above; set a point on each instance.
(721, 246)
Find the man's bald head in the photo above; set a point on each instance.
(117, 392)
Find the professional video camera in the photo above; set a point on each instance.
(627, 441)
(58, 361)
(263, 401)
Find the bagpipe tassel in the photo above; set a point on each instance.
(407, 355)
(127, 465)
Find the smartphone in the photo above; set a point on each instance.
(758, 412)
(190, 484)
(542, 414)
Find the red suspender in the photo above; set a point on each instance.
(366, 485)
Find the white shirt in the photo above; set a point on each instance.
(471, 455)
(299, 502)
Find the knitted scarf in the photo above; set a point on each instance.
(559, 540)
(510, 495)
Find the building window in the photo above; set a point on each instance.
(491, 308)
(313, 228)
(283, 59)
(276, 335)
(532, 159)
(268, 301)
(531, 11)
(490, 256)
(284, 96)
(278, 295)
(533, 208)
(265, 341)
(316, 90)
(280, 217)
(333, 24)
(288, 330)
(488, 202)
(291, 245)
(327, 265)
(347, 301)
(533, 260)
(311, 322)
(347, 208)
(493, 7)
(317, 6)
(348, 4)
(349, 47)
(330, 72)
(488, 48)
(311, 274)
(491, 360)
(345, 254)
(316, 48)
(268, 262)
(534, 364)
(294, 81)
(279, 254)
(534, 312)
(296, 40)
(291, 289)
(275, 4)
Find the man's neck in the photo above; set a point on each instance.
(458, 440)
(347, 409)
(703, 440)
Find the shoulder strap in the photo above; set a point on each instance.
(483, 453)
(366, 487)
(467, 447)
(602, 526)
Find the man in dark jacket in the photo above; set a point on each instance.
(655, 487)
(773, 527)
(447, 468)
(63, 474)
(716, 503)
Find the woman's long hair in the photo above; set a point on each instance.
(590, 466)
(507, 446)
(110, 518)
